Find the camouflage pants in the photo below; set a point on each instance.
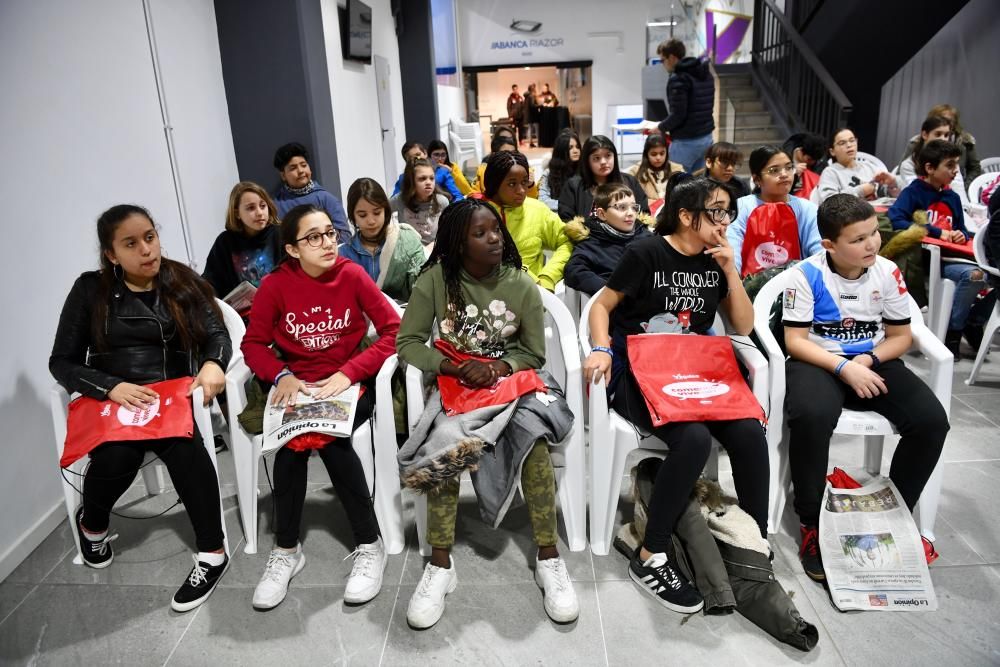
(538, 484)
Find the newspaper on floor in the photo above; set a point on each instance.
(333, 416)
(872, 552)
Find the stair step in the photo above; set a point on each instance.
(735, 79)
(767, 133)
(739, 93)
(745, 105)
(748, 118)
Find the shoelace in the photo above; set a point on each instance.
(276, 562)
(197, 576)
(560, 574)
(100, 547)
(424, 589)
(668, 575)
(364, 560)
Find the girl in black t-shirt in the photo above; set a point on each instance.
(675, 282)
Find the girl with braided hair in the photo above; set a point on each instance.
(484, 305)
(533, 226)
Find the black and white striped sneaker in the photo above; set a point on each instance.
(659, 578)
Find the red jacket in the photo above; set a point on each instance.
(317, 323)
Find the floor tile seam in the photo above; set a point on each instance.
(600, 614)
(392, 612)
(183, 634)
(962, 537)
(976, 410)
(34, 587)
(804, 581)
(52, 569)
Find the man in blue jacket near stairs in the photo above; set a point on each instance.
(691, 97)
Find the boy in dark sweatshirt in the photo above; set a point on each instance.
(298, 187)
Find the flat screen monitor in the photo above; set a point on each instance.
(356, 31)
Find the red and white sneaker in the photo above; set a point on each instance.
(930, 553)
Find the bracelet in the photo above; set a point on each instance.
(285, 371)
(876, 362)
(607, 350)
(840, 366)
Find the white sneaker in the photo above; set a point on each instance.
(427, 604)
(366, 576)
(281, 567)
(560, 599)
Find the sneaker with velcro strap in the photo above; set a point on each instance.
(658, 577)
(199, 584)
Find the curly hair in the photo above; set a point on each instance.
(449, 248)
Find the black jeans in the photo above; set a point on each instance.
(347, 475)
(690, 445)
(113, 466)
(813, 402)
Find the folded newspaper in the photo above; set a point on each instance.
(872, 553)
(241, 298)
(332, 416)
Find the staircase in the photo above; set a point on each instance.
(752, 124)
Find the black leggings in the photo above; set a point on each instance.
(113, 466)
(690, 445)
(347, 475)
(813, 402)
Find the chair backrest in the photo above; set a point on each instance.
(979, 248)
(978, 184)
(872, 160)
(583, 327)
(234, 325)
(990, 165)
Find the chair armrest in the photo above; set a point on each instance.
(236, 378)
(384, 421)
(59, 404)
(942, 362)
(757, 368)
(414, 395)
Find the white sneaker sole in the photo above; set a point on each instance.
(370, 593)
(193, 604)
(669, 605)
(264, 606)
(437, 617)
(557, 615)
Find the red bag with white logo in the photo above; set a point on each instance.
(690, 378)
(458, 398)
(92, 422)
(771, 238)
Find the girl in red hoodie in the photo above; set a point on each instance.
(313, 309)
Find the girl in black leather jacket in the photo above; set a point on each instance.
(141, 319)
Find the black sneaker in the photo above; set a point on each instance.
(659, 578)
(95, 554)
(198, 585)
(812, 561)
(220, 444)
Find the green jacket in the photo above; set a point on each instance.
(502, 319)
(536, 228)
(405, 259)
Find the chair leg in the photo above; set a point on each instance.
(712, 466)
(209, 444)
(573, 491)
(70, 483)
(382, 470)
(246, 460)
(605, 489)
(152, 477)
(420, 510)
(984, 347)
(928, 503)
(780, 480)
(873, 454)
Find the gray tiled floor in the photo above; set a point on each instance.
(55, 612)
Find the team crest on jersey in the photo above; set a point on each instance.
(790, 299)
(876, 296)
(848, 322)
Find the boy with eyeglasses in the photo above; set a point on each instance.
(846, 314)
(601, 239)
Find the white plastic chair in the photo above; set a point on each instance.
(868, 158)
(612, 437)
(993, 325)
(872, 426)
(940, 293)
(977, 185)
(152, 472)
(470, 137)
(381, 471)
(990, 165)
(568, 457)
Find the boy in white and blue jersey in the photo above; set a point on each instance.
(846, 315)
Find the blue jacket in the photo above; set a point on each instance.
(805, 215)
(285, 200)
(920, 195)
(444, 180)
(596, 256)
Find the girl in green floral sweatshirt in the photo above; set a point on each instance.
(485, 305)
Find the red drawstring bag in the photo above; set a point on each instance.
(690, 378)
(92, 422)
(771, 238)
(458, 398)
(808, 181)
(841, 480)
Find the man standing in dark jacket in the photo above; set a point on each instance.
(691, 96)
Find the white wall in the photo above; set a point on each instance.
(355, 98)
(81, 130)
(451, 106)
(613, 35)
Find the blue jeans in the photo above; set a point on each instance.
(966, 290)
(690, 152)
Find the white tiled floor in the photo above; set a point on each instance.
(54, 612)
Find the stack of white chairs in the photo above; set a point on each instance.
(466, 142)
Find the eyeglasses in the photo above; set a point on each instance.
(774, 171)
(625, 208)
(315, 239)
(853, 141)
(526, 185)
(718, 216)
(438, 154)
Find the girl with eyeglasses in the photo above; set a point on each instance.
(598, 165)
(778, 227)
(675, 282)
(532, 225)
(601, 240)
(313, 309)
(846, 174)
